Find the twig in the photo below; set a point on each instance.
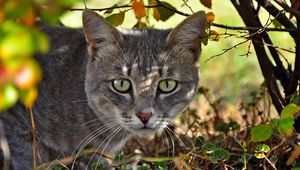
(185, 3)
(113, 7)
(33, 139)
(227, 49)
(253, 28)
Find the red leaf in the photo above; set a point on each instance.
(206, 3)
(139, 9)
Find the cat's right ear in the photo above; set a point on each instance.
(97, 30)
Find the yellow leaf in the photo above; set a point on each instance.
(29, 96)
(210, 17)
(156, 14)
(139, 9)
(214, 35)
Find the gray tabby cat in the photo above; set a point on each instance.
(102, 85)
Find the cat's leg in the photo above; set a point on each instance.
(21, 153)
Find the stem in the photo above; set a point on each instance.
(33, 139)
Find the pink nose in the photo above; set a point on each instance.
(144, 117)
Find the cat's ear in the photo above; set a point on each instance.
(189, 33)
(97, 30)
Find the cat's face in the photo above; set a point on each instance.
(141, 79)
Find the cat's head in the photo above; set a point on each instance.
(141, 79)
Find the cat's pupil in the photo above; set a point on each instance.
(122, 82)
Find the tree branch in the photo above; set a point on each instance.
(287, 8)
(278, 15)
(253, 28)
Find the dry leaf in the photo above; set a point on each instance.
(210, 17)
(139, 9)
(295, 154)
(206, 3)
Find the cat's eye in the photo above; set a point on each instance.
(121, 85)
(167, 85)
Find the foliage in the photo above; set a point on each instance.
(19, 41)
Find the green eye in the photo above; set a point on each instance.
(167, 86)
(121, 85)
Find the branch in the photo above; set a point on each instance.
(113, 7)
(171, 9)
(278, 15)
(254, 28)
(287, 8)
(160, 4)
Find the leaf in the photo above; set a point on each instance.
(206, 3)
(8, 97)
(284, 125)
(28, 19)
(165, 13)
(28, 75)
(214, 35)
(199, 141)
(295, 5)
(156, 14)
(294, 155)
(28, 97)
(140, 24)
(261, 150)
(219, 154)
(139, 9)
(116, 19)
(261, 133)
(144, 167)
(276, 23)
(290, 110)
(210, 17)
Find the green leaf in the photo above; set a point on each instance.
(295, 99)
(164, 12)
(296, 168)
(144, 167)
(8, 97)
(116, 19)
(262, 148)
(290, 110)
(276, 23)
(261, 133)
(260, 151)
(208, 147)
(284, 125)
(199, 141)
(219, 154)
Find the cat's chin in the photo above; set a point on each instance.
(144, 132)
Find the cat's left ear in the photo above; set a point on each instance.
(189, 33)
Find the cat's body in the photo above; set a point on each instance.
(82, 94)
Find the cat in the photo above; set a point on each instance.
(101, 85)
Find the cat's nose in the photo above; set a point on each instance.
(144, 117)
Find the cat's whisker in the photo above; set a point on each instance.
(181, 132)
(165, 138)
(91, 137)
(170, 130)
(172, 141)
(103, 150)
(109, 137)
